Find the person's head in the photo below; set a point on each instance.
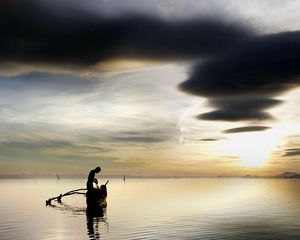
(97, 169)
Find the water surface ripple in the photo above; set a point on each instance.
(233, 209)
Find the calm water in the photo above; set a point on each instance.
(155, 209)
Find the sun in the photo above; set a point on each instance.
(254, 158)
(254, 148)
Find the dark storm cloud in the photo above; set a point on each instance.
(240, 65)
(238, 109)
(292, 152)
(246, 129)
(32, 34)
(262, 67)
(266, 65)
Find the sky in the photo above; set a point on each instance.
(150, 88)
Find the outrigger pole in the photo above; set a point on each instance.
(76, 191)
(58, 198)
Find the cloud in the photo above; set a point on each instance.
(141, 136)
(239, 65)
(208, 139)
(32, 34)
(238, 109)
(263, 66)
(246, 129)
(24, 145)
(145, 139)
(49, 82)
(292, 152)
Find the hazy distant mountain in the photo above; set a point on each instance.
(289, 175)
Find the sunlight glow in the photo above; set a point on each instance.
(255, 148)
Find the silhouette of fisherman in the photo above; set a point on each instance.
(92, 179)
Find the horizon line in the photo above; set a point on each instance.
(79, 176)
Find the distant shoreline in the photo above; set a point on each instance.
(286, 175)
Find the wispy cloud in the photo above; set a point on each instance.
(292, 152)
(246, 129)
(208, 139)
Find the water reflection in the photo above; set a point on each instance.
(94, 225)
(94, 218)
(67, 208)
(187, 209)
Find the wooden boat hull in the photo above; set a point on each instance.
(96, 200)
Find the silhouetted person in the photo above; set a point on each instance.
(92, 179)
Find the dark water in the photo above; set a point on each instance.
(155, 209)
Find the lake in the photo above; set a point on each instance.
(204, 208)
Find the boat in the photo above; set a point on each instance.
(95, 199)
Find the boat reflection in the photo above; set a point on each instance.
(68, 208)
(95, 218)
(94, 224)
